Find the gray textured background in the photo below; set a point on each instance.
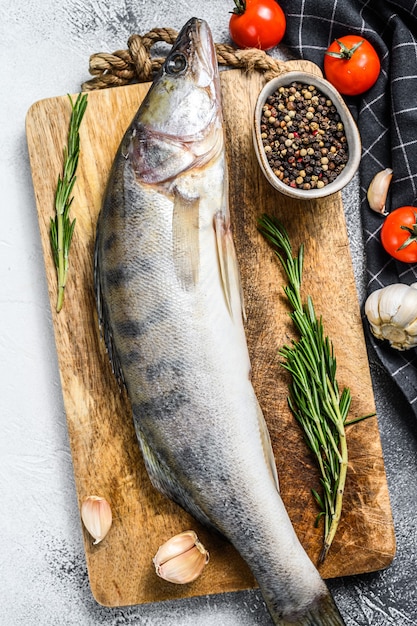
(45, 47)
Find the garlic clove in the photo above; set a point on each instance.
(181, 559)
(97, 517)
(391, 300)
(176, 546)
(412, 329)
(407, 311)
(378, 191)
(372, 307)
(184, 568)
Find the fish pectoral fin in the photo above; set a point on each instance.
(228, 265)
(156, 159)
(185, 239)
(267, 447)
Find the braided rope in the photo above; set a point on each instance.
(136, 63)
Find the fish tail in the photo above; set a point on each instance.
(323, 613)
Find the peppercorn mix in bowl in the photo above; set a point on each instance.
(306, 141)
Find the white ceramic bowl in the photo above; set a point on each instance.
(351, 132)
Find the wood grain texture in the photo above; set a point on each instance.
(106, 457)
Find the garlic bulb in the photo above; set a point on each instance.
(378, 191)
(181, 559)
(392, 314)
(97, 517)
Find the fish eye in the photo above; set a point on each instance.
(176, 64)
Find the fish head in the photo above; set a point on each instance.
(184, 96)
(179, 124)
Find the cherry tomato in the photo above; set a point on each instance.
(351, 64)
(257, 24)
(399, 234)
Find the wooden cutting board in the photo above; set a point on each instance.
(105, 453)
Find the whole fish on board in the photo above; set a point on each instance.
(169, 303)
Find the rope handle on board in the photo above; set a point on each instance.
(136, 63)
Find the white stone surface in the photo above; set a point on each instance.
(45, 47)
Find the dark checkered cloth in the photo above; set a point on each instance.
(387, 120)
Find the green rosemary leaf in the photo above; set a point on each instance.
(62, 227)
(345, 402)
(318, 500)
(314, 397)
(360, 418)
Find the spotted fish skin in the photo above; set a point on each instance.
(169, 303)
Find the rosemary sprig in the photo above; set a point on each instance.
(61, 226)
(314, 399)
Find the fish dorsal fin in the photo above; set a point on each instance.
(267, 447)
(103, 318)
(185, 239)
(229, 269)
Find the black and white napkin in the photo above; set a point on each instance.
(387, 119)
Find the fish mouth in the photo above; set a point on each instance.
(195, 41)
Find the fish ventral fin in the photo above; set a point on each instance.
(185, 239)
(229, 269)
(164, 480)
(267, 447)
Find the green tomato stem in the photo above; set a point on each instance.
(345, 52)
(413, 234)
(240, 7)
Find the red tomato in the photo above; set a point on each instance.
(351, 64)
(257, 24)
(399, 234)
